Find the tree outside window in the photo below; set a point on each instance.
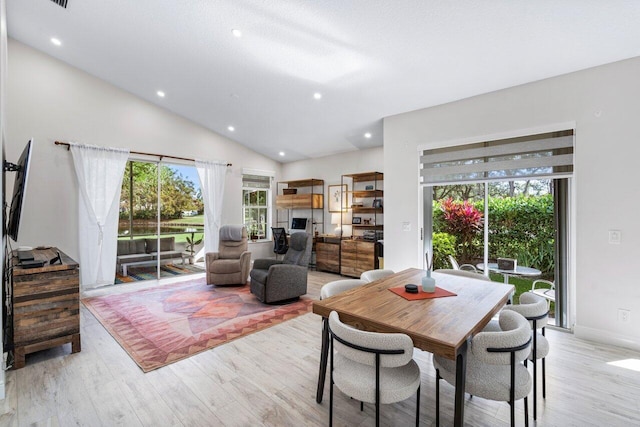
(255, 209)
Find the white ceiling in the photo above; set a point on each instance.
(369, 59)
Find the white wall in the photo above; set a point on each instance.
(331, 168)
(604, 103)
(49, 100)
(3, 75)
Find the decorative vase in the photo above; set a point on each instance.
(428, 282)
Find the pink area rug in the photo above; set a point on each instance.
(162, 325)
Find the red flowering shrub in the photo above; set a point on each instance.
(462, 219)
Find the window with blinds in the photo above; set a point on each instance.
(545, 155)
(256, 205)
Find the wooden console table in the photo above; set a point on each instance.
(46, 305)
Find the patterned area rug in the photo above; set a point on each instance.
(135, 274)
(162, 325)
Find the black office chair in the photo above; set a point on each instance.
(280, 245)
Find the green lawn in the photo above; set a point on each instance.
(198, 220)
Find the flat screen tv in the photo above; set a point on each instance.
(21, 170)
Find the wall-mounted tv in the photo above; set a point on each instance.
(21, 170)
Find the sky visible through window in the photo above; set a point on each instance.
(188, 172)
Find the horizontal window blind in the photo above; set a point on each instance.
(533, 156)
(256, 181)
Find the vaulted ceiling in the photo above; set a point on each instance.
(313, 78)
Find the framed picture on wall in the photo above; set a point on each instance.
(338, 198)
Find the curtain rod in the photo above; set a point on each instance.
(144, 154)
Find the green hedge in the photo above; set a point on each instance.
(519, 227)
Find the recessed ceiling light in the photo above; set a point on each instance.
(317, 95)
(56, 41)
(281, 153)
(160, 94)
(236, 32)
(367, 135)
(231, 128)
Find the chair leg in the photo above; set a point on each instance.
(535, 387)
(513, 413)
(526, 412)
(437, 397)
(331, 384)
(544, 374)
(418, 408)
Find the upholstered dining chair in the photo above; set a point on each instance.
(494, 365)
(464, 273)
(282, 280)
(534, 308)
(328, 290)
(372, 275)
(231, 264)
(456, 266)
(372, 367)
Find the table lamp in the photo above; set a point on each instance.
(337, 220)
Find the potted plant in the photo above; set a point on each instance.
(191, 246)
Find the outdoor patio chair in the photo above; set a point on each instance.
(456, 266)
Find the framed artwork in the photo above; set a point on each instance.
(338, 198)
(356, 220)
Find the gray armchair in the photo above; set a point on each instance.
(280, 280)
(230, 265)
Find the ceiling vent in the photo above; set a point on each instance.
(62, 3)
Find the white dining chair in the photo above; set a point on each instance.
(372, 367)
(534, 308)
(372, 275)
(494, 365)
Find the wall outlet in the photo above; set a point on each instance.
(624, 316)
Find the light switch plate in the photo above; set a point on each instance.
(406, 226)
(615, 237)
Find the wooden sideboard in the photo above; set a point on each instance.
(357, 256)
(328, 254)
(46, 305)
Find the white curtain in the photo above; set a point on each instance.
(99, 171)
(212, 176)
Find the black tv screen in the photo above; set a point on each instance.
(19, 190)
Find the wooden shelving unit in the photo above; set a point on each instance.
(365, 196)
(307, 202)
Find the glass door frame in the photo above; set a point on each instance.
(564, 270)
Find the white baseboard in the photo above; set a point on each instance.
(606, 337)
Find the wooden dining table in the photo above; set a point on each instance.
(441, 326)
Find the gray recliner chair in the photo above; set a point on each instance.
(280, 280)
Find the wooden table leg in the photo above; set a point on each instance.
(461, 372)
(324, 352)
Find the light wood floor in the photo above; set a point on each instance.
(269, 378)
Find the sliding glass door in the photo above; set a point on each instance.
(161, 222)
(506, 197)
(525, 220)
